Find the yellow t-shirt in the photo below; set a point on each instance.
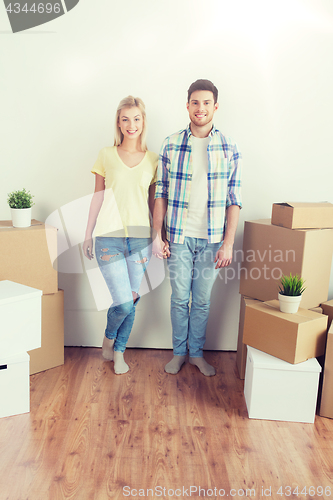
(125, 211)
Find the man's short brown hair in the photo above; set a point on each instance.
(202, 85)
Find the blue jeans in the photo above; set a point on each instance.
(122, 262)
(192, 270)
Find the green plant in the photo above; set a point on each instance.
(291, 285)
(20, 199)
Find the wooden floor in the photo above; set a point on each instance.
(92, 434)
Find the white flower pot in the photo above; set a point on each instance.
(289, 304)
(21, 217)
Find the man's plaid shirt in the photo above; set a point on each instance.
(174, 175)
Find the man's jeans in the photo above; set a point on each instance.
(191, 269)
(122, 262)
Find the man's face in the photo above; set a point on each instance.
(201, 107)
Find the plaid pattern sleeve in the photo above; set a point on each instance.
(234, 181)
(162, 182)
(174, 175)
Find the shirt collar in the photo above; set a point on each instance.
(211, 133)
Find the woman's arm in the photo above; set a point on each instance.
(151, 199)
(160, 244)
(95, 207)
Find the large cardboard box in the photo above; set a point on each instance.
(327, 308)
(51, 352)
(20, 318)
(270, 251)
(326, 403)
(27, 255)
(291, 337)
(241, 347)
(277, 390)
(14, 385)
(303, 215)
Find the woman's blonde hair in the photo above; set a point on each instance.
(131, 102)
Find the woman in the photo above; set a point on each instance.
(119, 216)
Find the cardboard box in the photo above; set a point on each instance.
(326, 403)
(303, 215)
(26, 255)
(270, 251)
(51, 352)
(241, 347)
(291, 337)
(14, 385)
(277, 390)
(20, 318)
(327, 308)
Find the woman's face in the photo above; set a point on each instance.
(130, 122)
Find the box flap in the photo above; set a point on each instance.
(13, 292)
(263, 360)
(265, 222)
(297, 204)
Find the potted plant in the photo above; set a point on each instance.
(20, 203)
(290, 293)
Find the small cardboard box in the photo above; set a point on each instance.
(27, 255)
(51, 352)
(14, 385)
(241, 347)
(303, 215)
(291, 337)
(327, 308)
(277, 390)
(270, 251)
(20, 318)
(326, 403)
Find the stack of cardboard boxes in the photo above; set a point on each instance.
(284, 347)
(26, 269)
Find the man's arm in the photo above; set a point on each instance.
(223, 256)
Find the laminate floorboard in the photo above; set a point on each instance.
(94, 435)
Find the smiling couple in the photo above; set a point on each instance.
(193, 191)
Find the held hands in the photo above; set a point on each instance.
(88, 249)
(223, 256)
(161, 248)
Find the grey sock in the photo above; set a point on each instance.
(203, 366)
(107, 348)
(120, 366)
(175, 364)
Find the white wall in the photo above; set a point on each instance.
(61, 82)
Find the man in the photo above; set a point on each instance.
(198, 189)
